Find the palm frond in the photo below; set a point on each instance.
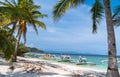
(35, 28)
(31, 2)
(4, 20)
(5, 4)
(37, 14)
(19, 2)
(34, 7)
(6, 46)
(116, 21)
(9, 4)
(97, 12)
(14, 13)
(116, 16)
(62, 6)
(40, 24)
(14, 3)
(76, 3)
(23, 10)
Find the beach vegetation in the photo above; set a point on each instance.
(6, 44)
(22, 13)
(33, 49)
(22, 49)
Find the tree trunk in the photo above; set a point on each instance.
(112, 70)
(16, 47)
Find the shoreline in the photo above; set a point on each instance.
(90, 67)
(92, 61)
(32, 67)
(78, 66)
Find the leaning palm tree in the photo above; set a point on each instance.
(97, 11)
(22, 13)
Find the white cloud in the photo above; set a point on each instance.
(51, 30)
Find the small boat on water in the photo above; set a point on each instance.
(53, 57)
(65, 58)
(82, 60)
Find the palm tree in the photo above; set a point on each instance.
(97, 11)
(6, 43)
(22, 13)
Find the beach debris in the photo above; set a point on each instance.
(12, 67)
(30, 68)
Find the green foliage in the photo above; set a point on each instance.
(116, 16)
(63, 5)
(32, 49)
(22, 10)
(4, 20)
(22, 49)
(6, 44)
(29, 55)
(97, 12)
(21, 13)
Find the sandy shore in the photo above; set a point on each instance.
(31, 67)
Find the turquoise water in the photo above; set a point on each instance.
(95, 59)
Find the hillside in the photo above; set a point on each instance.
(32, 49)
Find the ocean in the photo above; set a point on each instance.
(100, 61)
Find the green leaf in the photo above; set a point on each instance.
(97, 13)
(62, 6)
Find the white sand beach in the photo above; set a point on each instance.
(32, 67)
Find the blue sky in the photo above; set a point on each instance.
(72, 33)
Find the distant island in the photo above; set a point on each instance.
(21, 52)
(33, 49)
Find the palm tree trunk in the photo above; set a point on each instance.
(16, 47)
(112, 70)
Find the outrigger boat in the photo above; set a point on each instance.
(65, 58)
(82, 61)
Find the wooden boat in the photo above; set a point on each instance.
(81, 61)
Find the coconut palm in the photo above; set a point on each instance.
(6, 43)
(22, 13)
(97, 11)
